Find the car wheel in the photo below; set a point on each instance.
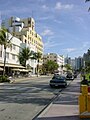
(51, 86)
(65, 86)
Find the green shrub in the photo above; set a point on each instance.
(88, 76)
(4, 79)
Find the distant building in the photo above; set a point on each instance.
(73, 64)
(67, 60)
(59, 59)
(78, 63)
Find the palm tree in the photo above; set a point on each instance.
(37, 56)
(68, 67)
(6, 42)
(88, 1)
(87, 67)
(24, 55)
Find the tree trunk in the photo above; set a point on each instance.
(4, 60)
(38, 69)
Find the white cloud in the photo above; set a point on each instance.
(41, 0)
(47, 32)
(69, 50)
(80, 21)
(58, 21)
(45, 18)
(16, 10)
(50, 44)
(45, 7)
(85, 44)
(60, 6)
(68, 6)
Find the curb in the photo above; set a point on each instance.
(24, 79)
(16, 80)
(43, 111)
(46, 107)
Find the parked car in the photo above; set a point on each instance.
(58, 81)
(75, 75)
(69, 76)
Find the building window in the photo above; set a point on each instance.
(28, 36)
(7, 55)
(13, 56)
(0, 53)
(25, 41)
(29, 22)
(14, 47)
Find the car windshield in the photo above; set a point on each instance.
(58, 77)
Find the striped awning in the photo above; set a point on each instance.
(1, 69)
(20, 70)
(11, 65)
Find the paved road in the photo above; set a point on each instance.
(23, 100)
(65, 106)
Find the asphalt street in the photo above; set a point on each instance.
(23, 100)
(65, 106)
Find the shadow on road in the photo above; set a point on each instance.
(26, 93)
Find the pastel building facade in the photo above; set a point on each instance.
(59, 59)
(24, 30)
(12, 52)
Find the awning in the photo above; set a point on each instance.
(15, 69)
(20, 70)
(23, 70)
(12, 65)
(1, 69)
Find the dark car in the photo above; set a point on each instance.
(75, 75)
(58, 81)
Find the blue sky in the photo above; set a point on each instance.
(63, 24)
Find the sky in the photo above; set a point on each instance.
(64, 25)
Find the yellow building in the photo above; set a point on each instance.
(24, 29)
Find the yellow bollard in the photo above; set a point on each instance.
(84, 89)
(82, 103)
(83, 99)
(88, 103)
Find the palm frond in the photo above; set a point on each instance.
(87, 0)
(89, 9)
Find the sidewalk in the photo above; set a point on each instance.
(65, 106)
(19, 79)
